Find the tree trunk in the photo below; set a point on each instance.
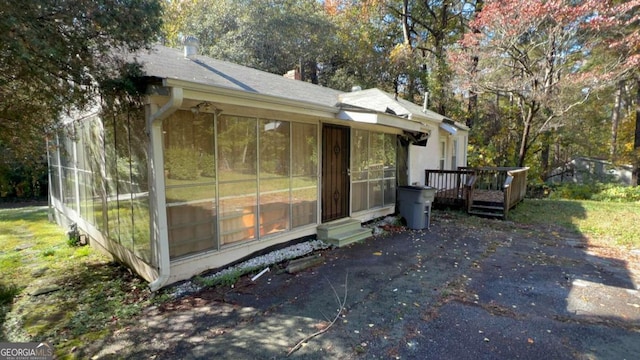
(615, 121)
(636, 141)
(472, 110)
(405, 22)
(526, 131)
(441, 75)
(544, 156)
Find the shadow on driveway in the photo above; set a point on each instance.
(464, 289)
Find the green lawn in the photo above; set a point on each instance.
(90, 294)
(614, 223)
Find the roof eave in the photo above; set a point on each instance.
(240, 97)
(378, 118)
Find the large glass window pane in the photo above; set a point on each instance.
(237, 178)
(359, 170)
(65, 137)
(304, 201)
(191, 228)
(359, 155)
(95, 147)
(359, 198)
(55, 182)
(304, 194)
(190, 174)
(111, 179)
(124, 185)
(375, 193)
(373, 170)
(84, 176)
(275, 180)
(390, 156)
(274, 205)
(69, 189)
(67, 166)
(139, 145)
(376, 155)
(389, 189)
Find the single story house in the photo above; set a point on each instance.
(223, 161)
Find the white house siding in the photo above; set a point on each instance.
(429, 157)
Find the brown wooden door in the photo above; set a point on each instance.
(335, 172)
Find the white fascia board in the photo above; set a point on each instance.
(449, 128)
(429, 116)
(382, 119)
(226, 95)
(461, 126)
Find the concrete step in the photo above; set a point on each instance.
(331, 229)
(349, 237)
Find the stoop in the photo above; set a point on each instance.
(343, 232)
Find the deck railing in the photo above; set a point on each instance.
(515, 188)
(457, 187)
(449, 185)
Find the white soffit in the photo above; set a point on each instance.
(382, 119)
(449, 128)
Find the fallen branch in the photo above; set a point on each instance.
(341, 303)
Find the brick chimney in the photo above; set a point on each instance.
(293, 74)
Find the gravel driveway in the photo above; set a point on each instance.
(464, 289)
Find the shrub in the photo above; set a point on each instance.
(7, 293)
(573, 191)
(618, 193)
(182, 163)
(208, 165)
(596, 191)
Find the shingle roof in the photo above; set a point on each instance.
(163, 62)
(379, 100)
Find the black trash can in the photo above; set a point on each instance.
(415, 205)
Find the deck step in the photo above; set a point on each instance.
(488, 207)
(487, 213)
(349, 237)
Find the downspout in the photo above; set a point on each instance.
(162, 232)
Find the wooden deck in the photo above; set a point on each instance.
(481, 191)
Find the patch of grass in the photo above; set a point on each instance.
(93, 295)
(7, 293)
(595, 191)
(226, 279)
(617, 223)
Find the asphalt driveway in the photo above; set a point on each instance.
(464, 289)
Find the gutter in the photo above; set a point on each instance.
(155, 124)
(240, 97)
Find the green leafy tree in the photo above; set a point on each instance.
(619, 28)
(524, 52)
(361, 56)
(428, 29)
(53, 53)
(274, 36)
